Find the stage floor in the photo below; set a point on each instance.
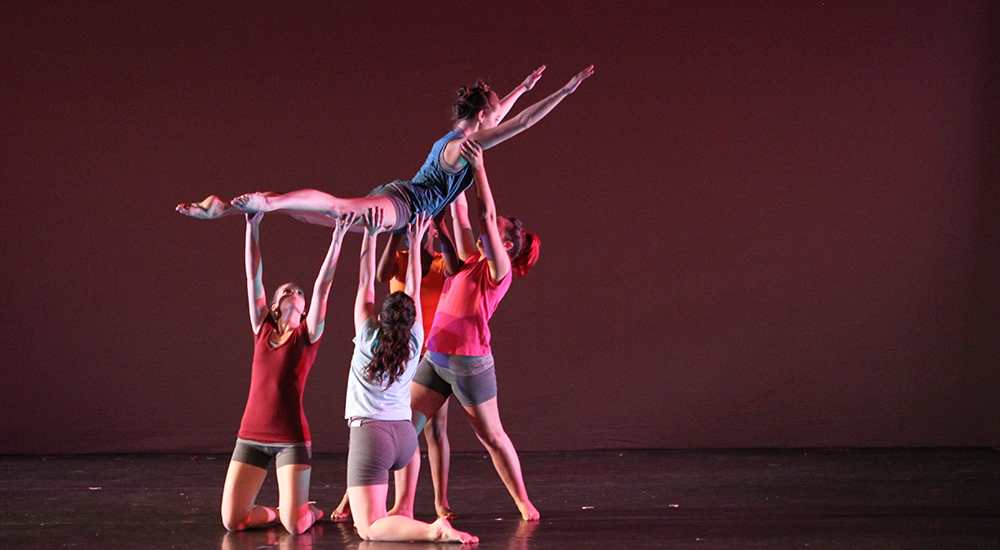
(822, 498)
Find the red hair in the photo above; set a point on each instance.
(524, 248)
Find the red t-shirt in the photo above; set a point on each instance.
(274, 411)
(468, 300)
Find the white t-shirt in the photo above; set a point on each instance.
(367, 400)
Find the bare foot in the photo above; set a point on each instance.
(208, 209)
(528, 511)
(447, 533)
(443, 511)
(343, 511)
(252, 202)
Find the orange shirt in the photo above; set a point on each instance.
(430, 287)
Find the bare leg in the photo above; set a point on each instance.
(311, 201)
(485, 420)
(239, 512)
(372, 523)
(439, 457)
(343, 511)
(297, 513)
(406, 486)
(309, 206)
(426, 402)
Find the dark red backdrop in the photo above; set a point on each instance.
(765, 224)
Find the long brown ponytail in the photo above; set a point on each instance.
(392, 348)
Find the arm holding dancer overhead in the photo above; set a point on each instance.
(316, 317)
(414, 270)
(364, 303)
(256, 297)
(493, 245)
(464, 242)
(239, 509)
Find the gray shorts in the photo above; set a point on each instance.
(400, 200)
(472, 379)
(378, 446)
(260, 454)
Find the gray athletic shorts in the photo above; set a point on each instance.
(400, 202)
(471, 378)
(260, 454)
(378, 446)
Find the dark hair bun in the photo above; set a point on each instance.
(469, 101)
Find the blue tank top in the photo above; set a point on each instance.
(433, 187)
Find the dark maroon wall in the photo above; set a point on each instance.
(764, 224)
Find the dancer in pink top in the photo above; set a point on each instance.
(459, 359)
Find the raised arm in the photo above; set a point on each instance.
(464, 241)
(364, 304)
(489, 137)
(508, 101)
(256, 297)
(414, 270)
(316, 318)
(493, 245)
(447, 247)
(387, 268)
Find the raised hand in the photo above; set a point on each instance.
(471, 152)
(374, 219)
(343, 224)
(570, 86)
(529, 82)
(254, 218)
(421, 221)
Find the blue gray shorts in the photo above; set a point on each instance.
(473, 379)
(378, 447)
(260, 454)
(401, 202)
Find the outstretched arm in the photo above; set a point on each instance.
(316, 318)
(493, 245)
(527, 118)
(364, 303)
(256, 297)
(414, 270)
(507, 102)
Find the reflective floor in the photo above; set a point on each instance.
(876, 499)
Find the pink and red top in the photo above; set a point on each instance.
(468, 300)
